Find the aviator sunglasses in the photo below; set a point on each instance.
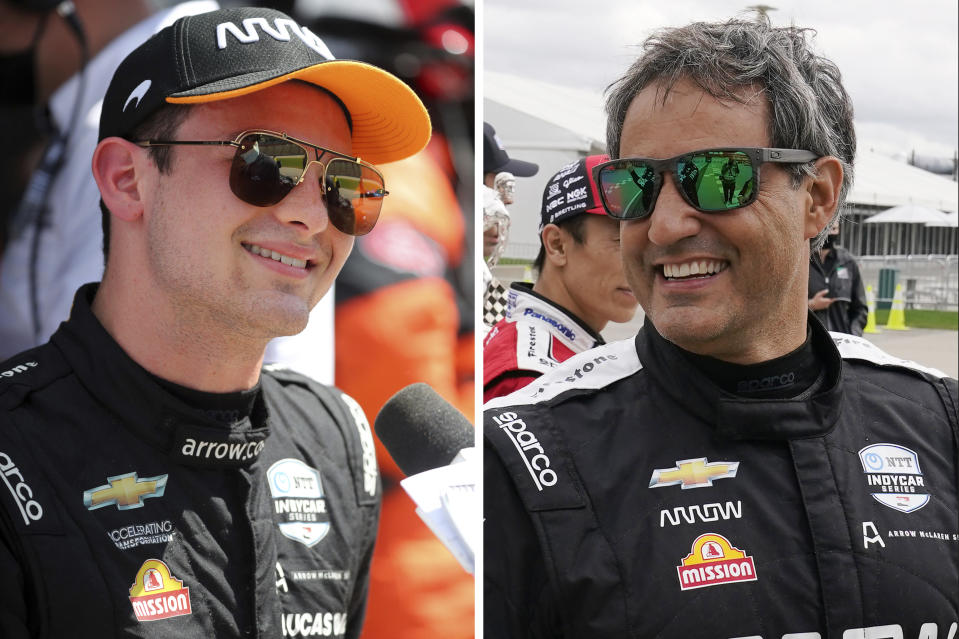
(267, 165)
(710, 180)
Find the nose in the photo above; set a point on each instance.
(673, 218)
(305, 207)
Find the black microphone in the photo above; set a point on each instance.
(421, 430)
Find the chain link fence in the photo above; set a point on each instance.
(928, 282)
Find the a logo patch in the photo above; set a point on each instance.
(137, 94)
(697, 512)
(126, 491)
(893, 472)
(713, 561)
(298, 501)
(693, 473)
(370, 469)
(535, 459)
(154, 532)
(22, 494)
(156, 594)
(279, 30)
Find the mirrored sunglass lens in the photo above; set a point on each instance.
(628, 189)
(265, 168)
(354, 196)
(716, 180)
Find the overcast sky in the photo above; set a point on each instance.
(899, 60)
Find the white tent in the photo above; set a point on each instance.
(553, 125)
(908, 214)
(907, 223)
(544, 123)
(950, 220)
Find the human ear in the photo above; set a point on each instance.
(117, 169)
(823, 195)
(554, 243)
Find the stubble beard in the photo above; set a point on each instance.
(201, 305)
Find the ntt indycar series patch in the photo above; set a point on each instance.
(298, 497)
(893, 472)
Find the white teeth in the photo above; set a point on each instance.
(688, 269)
(279, 257)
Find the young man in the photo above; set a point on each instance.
(581, 286)
(734, 471)
(157, 482)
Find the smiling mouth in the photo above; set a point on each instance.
(696, 269)
(278, 257)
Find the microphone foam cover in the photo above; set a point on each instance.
(421, 430)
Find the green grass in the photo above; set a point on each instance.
(945, 320)
(514, 261)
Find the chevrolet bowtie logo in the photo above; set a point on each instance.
(693, 473)
(126, 491)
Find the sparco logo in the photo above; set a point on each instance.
(767, 383)
(237, 451)
(281, 33)
(366, 441)
(534, 457)
(30, 510)
(19, 368)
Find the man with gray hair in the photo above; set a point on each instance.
(736, 470)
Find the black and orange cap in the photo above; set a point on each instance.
(232, 52)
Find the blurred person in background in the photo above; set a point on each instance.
(404, 300)
(496, 217)
(496, 224)
(580, 286)
(836, 295)
(55, 63)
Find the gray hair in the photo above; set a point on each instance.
(808, 106)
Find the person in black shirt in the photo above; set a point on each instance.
(836, 293)
(735, 470)
(157, 481)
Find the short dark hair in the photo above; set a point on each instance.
(161, 125)
(575, 226)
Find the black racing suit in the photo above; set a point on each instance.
(839, 274)
(627, 496)
(126, 512)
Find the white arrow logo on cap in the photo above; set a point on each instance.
(138, 94)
